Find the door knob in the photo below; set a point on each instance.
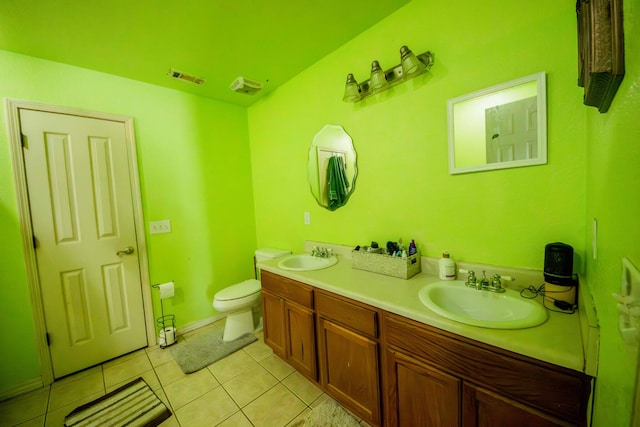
(126, 251)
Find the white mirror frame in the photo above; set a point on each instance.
(485, 95)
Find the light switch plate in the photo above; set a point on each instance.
(629, 303)
(159, 227)
(594, 239)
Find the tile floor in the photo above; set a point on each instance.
(251, 387)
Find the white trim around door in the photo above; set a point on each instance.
(13, 107)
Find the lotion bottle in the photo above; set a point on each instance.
(446, 267)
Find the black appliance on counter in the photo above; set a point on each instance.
(560, 283)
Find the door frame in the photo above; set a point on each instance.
(13, 107)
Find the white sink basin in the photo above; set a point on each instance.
(508, 310)
(305, 262)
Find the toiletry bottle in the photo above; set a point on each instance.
(446, 267)
(412, 248)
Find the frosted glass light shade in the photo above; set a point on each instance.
(378, 81)
(351, 91)
(410, 64)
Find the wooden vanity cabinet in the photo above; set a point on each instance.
(435, 378)
(394, 371)
(349, 353)
(289, 322)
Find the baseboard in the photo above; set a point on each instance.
(200, 323)
(23, 388)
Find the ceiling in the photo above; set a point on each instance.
(269, 41)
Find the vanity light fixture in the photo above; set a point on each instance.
(410, 66)
(351, 90)
(378, 80)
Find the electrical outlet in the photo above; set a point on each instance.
(159, 227)
(307, 218)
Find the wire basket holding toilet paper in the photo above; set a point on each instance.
(166, 323)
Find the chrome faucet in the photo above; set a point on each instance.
(321, 252)
(494, 286)
(483, 283)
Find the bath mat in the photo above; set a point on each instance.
(195, 354)
(134, 404)
(328, 414)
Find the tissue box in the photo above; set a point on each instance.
(403, 268)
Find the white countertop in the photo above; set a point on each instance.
(557, 341)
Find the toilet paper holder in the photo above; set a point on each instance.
(166, 325)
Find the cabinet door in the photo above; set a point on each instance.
(482, 408)
(301, 348)
(349, 366)
(420, 395)
(273, 319)
(560, 392)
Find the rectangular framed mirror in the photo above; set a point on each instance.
(503, 126)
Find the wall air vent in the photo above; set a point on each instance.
(185, 77)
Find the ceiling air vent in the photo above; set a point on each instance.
(246, 86)
(185, 77)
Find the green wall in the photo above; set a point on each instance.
(404, 188)
(499, 217)
(613, 185)
(194, 165)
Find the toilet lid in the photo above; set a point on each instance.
(239, 290)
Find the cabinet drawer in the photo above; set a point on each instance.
(288, 289)
(552, 389)
(348, 313)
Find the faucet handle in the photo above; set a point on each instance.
(496, 284)
(496, 281)
(471, 278)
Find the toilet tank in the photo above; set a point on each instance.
(270, 253)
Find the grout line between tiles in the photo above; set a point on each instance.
(163, 387)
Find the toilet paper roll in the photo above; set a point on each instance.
(167, 290)
(167, 337)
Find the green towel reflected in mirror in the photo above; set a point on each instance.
(337, 184)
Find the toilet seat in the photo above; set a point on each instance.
(239, 296)
(239, 290)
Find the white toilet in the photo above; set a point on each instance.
(239, 301)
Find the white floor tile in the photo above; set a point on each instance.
(251, 387)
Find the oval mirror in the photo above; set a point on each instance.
(332, 167)
(504, 126)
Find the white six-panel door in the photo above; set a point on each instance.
(83, 222)
(512, 131)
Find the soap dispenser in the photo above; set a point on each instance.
(446, 267)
